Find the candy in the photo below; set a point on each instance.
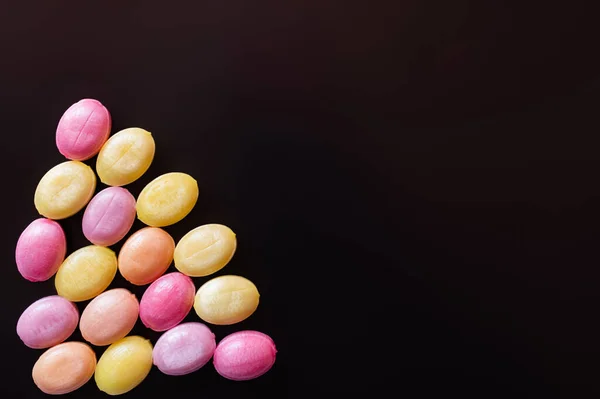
(83, 129)
(64, 368)
(124, 365)
(64, 190)
(146, 255)
(205, 250)
(244, 355)
(86, 273)
(184, 349)
(109, 317)
(167, 301)
(109, 216)
(167, 199)
(226, 300)
(125, 157)
(47, 322)
(41, 248)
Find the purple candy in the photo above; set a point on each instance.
(109, 216)
(41, 249)
(244, 355)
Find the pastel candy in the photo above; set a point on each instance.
(167, 301)
(125, 157)
(244, 355)
(109, 216)
(184, 349)
(83, 129)
(41, 248)
(167, 199)
(109, 317)
(146, 255)
(124, 365)
(64, 368)
(64, 190)
(226, 300)
(47, 322)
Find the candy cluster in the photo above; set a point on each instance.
(83, 132)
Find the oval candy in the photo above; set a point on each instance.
(205, 250)
(226, 300)
(47, 322)
(109, 317)
(146, 255)
(184, 349)
(244, 355)
(167, 301)
(109, 216)
(86, 273)
(167, 199)
(64, 368)
(124, 365)
(83, 129)
(64, 190)
(41, 248)
(125, 157)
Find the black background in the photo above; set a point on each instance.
(414, 185)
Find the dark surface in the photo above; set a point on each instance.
(414, 187)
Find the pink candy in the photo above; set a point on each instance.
(167, 301)
(244, 355)
(109, 216)
(41, 248)
(83, 129)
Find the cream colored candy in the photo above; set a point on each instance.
(64, 190)
(64, 368)
(86, 273)
(124, 365)
(167, 199)
(226, 300)
(205, 250)
(125, 157)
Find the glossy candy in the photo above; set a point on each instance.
(64, 368)
(184, 349)
(125, 157)
(86, 273)
(109, 317)
(47, 322)
(146, 255)
(167, 301)
(41, 248)
(109, 216)
(124, 365)
(205, 250)
(83, 129)
(226, 300)
(167, 199)
(244, 355)
(64, 190)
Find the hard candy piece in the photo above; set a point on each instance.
(226, 300)
(109, 216)
(146, 255)
(41, 248)
(244, 355)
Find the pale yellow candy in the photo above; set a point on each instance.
(167, 199)
(124, 365)
(205, 250)
(64, 190)
(226, 300)
(86, 273)
(125, 157)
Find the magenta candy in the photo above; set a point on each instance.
(167, 301)
(109, 216)
(47, 322)
(41, 249)
(244, 355)
(184, 349)
(83, 130)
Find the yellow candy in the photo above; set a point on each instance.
(167, 199)
(124, 365)
(86, 273)
(64, 190)
(205, 250)
(125, 157)
(226, 300)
